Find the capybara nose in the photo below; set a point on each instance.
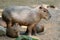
(50, 16)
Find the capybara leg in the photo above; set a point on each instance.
(34, 30)
(30, 29)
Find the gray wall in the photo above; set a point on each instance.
(5, 3)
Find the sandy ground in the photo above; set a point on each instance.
(52, 28)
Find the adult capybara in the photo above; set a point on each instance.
(2, 23)
(25, 15)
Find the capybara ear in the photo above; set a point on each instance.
(51, 6)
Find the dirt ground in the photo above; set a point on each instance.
(51, 28)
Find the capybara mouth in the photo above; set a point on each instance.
(48, 18)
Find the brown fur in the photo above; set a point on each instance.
(14, 31)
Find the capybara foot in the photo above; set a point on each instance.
(35, 34)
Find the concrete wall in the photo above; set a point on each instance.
(5, 3)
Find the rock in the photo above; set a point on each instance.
(2, 31)
(39, 28)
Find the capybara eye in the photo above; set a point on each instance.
(40, 7)
(44, 11)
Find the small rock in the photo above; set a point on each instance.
(2, 31)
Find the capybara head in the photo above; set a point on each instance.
(12, 32)
(44, 13)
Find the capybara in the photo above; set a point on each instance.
(14, 31)
(25, 15)
(2, 23)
